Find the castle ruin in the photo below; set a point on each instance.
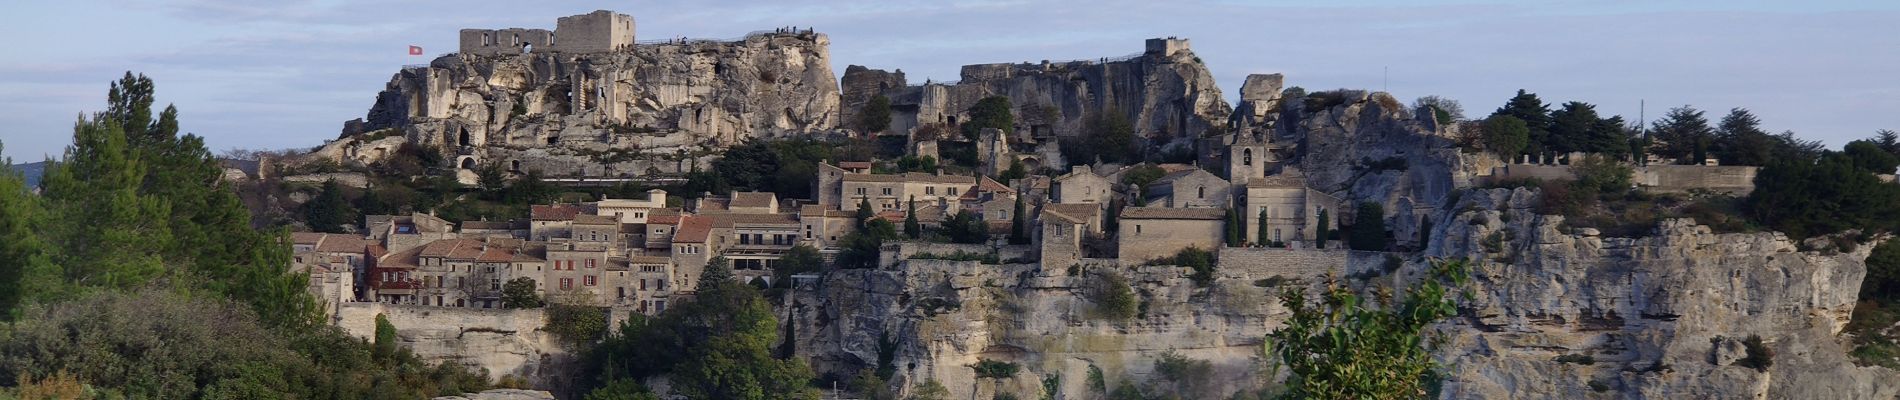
(596, 32)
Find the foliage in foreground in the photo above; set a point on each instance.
(716, 346)
(159, 344)
(1340, 345)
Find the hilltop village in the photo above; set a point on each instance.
(1093, 218)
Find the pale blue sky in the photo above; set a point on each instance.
(287, 73)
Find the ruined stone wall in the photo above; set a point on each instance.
(595, 32)
(1737, 180)
(505, 342)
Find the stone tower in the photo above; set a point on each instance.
(1247, 158)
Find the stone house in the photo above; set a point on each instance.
(1081, 185)
(1148, 233)
(1292, 209)
(894, 191)
(1059, 238)
(630, 211)
(1090, 215)
(1192, 188)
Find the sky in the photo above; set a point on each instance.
(287, 73)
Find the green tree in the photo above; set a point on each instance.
(800, 259)
(1113, 298)
(1019, 223)
(520, 293)
(1114, 138)
(1506, 136)
(1804, 199)
(1445, 110)
(1741, 141)
(385, 338)
(1261, 228)
(990, 112)
(329, 211)
(1868, 156)
(1200, 262)
(1324, 231)
(860, 248)
(1187, 376)
(1683, 134)
(865, 213)
(25, 263)
(912, 228)
(1235, 235)
(1576, 127)
(930, 390)
(1525, 106)
(1883, 272)
(1142, 174)
(716, 346)
(1344, 346)
(1015, 171)
(749, 166)
(109, 235)
(622, 389)
(966, 228)
(1601, 175)
(1368, 228)
(875, 117)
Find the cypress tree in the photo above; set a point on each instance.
(912, 228)
(1019, 224)
(1261, 230)
(1368, 228)
(1324, 231)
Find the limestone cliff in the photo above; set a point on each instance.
(1366, 147)
(1661, 316)
(650, 107)
(1165, 92)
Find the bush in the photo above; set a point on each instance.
(1760, 357)
(1581, 359)
(1113, 298)
(576, 323)
(992, 369)
(1201, 261)
(1368, 228)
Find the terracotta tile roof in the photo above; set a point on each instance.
(558, 212)
(453, 249)
(1082, 212)
(821, 211)
(376, 251)
(343, 244)
(1051, 214)
(663, 219)
(855, 165)
(400, 259)
(486, 225)
(646, 260)
(693, 229)
(1288, 178)
(1174, 213)
(497, 254)
(309, 238)
(991, 185)
(753, 199)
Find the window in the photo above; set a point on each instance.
(590, 280)
(1137, 229)
(590, 263)
(743, 239)
(643, 284)
(1203, 192)
(567, 283)
(659, 306)
(494, 284)
(860, 190)
(887, 191)
(1246, 157)
(661, 284)
(930, 190)
(951, 191)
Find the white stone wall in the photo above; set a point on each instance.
(505, 342)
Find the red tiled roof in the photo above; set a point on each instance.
(663, 220)
(1173, 213)
(558, 212)
(585, 219)
(991, 185)
(693, 229)
(343, 244)
(309, 238)
(454, 249)
(855, 165)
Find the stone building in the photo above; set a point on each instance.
(1154, 232)
(894, 191)
(1292, 209)
(596, 32)
(1081, 185)
(1191, 188)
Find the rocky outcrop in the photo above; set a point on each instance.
(501, 342)
(1366, 147)
(1661, 316)
(649, 108)
(1165, 92)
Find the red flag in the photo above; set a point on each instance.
(415, 50)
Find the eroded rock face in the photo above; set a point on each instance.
(1368, 148)
(939, 317)
(1165, 93)
(654, 107)
(1662, 316)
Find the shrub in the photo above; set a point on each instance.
(992, 369)
(1113, 298)
(1760, 357)
(1582, 359)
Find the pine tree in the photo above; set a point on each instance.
(875, 117)
(329, 211)
(864, 213)
(108, 236)
(25, 265)
(1525, 106)
(912, 228)
(1683, 134)
(1234, 235)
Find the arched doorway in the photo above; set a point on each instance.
(463, 137)
(468, 163)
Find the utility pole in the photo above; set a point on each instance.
(1642, 127)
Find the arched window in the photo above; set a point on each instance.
(1203, 192)
(1246, 157)
(463, 138)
